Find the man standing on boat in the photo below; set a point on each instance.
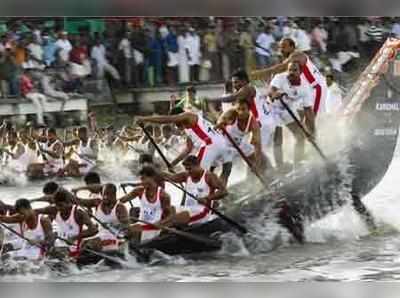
(290, 87)
(243, 90)
(309, 72)
(200, 134)
(240, 123)
(203, 185)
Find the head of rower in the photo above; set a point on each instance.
(92, 178)
(83, 133)
(294, 72)
(51, 135)
(63, 201)
(167, 131)
(23, 206)
(12, 138)
(286, 47)
(109, 194)
(240, 79)
(242, 108)
(148, 177)
(192, 166)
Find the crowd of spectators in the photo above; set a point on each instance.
(173, 51)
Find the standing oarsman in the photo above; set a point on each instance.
(243, 90)
(309, 72)
(203, 185)
(200, 134)
(111, 213)
(35, 227)
(240, 124)
(297, 94)
(85, 155)
(155, 206)
(70, 221)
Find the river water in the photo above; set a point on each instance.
(338, 247)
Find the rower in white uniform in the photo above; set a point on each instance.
(36, 228)
(203, 185)
(201, 136)
(73, 224)
(112, 214)
(155, 206)
(84, 158)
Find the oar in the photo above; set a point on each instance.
(244, 157)
(306, 133)
(222, 216)
(184, 234)
(98, 253)
(84, 157)
(187, 235)
(22, 236)
(156, 147)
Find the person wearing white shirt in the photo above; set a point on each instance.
(263, 46)
(193, 53)
(64, 45)
(297, 94)
(125, 47)
(35, 55)
(98, 53)
(183, 66)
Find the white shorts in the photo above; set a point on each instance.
(198, 214)
(245, 146)
(213, 154)
(268, 125)
(283, 117)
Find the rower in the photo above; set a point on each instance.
(9, 241)
(111, 213)
(13, 152)
(298, 95)
(35, 227)
(257, 102)
(155, 206)
(240, 124)
(31, 153)
(85, 155)
(200, 134)
(202, 184)
(93, 185)
(309, 72)
(49, 190)
(52, 154)
(70, 221)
